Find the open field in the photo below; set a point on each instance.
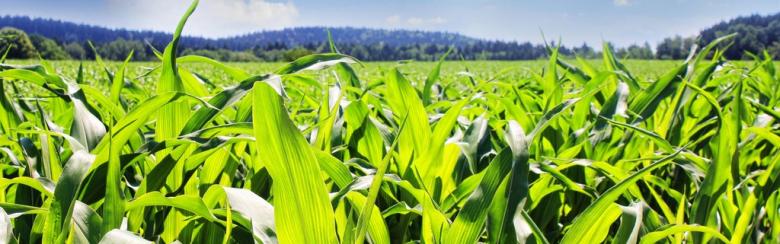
(416, 70)
(323, 150)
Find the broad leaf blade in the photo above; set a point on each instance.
(302, 211)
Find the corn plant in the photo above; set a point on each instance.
(317, 152)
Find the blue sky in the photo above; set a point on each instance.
(575, 21)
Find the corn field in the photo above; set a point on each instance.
(314, 152)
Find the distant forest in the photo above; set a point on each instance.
(54, 39)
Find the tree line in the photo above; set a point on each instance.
(24, 46)
(51, 39)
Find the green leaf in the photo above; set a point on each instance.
(616, 105)
(37, 184)
(743, 226)
(660, 141)
(189, 203)
(377, 229)
(406, 105)
(87, 127)
(314, 62)
(58, 220)
(119, 80)
(87, 223)
(172, 117)
(470, 222)
(219, 103)
(656, 236)
(508, 203)
(433, 76)
(646, 102)
(128, 126)
(429, 165)
(524, 223)
(719, 173)
(113, 206)
(302, 211)
(373, 192)
(234, 73)
(10, 117)
(582, 229)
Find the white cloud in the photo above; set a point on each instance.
(438, 20)
(401, 22)
(212, 18)
(415, 21)
(621, 2)
(393, 20)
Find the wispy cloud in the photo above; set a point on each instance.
(621, 2)
(212, 18)
(398, 21)
(415, 21)
(393, 19)
(438, 20)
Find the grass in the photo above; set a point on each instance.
(326, 149)
(415, 69)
